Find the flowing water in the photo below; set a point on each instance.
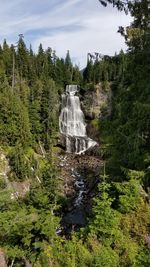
(72, 124)
(80, 188)
(76, 217)
(73, 127)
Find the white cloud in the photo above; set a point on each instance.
(77, 25)
(97, 34)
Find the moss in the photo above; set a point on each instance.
(95, 123)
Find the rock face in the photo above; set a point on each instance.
(97, 102)
(96, 105)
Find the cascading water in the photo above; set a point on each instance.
(71, 123)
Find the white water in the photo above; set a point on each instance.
(72, 124)
(80, 186)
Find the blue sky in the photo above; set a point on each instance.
(80, 26)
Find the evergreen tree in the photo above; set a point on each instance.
(22, 58)
(68, 69)
(7, 58)
(88, 72)
(49, 111)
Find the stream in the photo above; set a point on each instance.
(73, 129)
(80, 176)
(75, 216)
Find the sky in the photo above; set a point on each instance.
(80, 26)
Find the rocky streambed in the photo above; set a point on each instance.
(80, 175)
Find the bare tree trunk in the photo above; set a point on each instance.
(12, 263)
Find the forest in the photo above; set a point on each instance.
(117, 229)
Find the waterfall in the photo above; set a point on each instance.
(72, 124)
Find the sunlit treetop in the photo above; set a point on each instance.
(126, 5)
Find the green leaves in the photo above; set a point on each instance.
(14, 120)
(19, 163)
(129, 195)
(105, 219)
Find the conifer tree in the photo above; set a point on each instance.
(22, 58)
(68, 69)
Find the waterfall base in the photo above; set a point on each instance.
(78, 145)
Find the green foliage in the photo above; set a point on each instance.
(129, 195)
(20, 165)
(31, 105)
(128, 128)
(14, 120)
(106, 220)
(22, 58)
(2, 184)
(117, 233)
(104, 257)
(30, 221)
(49, 111)
(107, 69)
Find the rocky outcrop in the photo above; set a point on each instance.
(96, 103)
(17, 189)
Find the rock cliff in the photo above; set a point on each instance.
(96, 102)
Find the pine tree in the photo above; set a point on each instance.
(68, 69)
(49, 111)
(88, 72)
(7, 58)
(22, 58)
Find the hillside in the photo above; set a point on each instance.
(74, 155)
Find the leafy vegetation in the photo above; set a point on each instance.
(117, 233)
